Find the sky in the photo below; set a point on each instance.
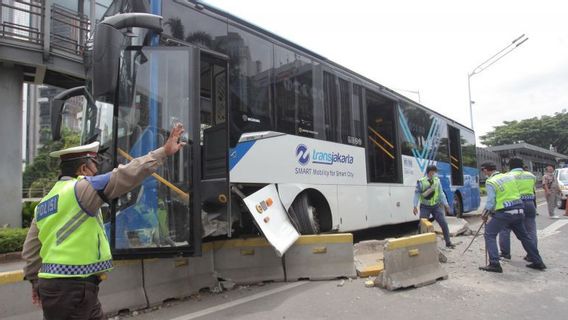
(431, 46)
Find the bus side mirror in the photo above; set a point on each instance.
(108, 44)
(106, 58)
(57, 108)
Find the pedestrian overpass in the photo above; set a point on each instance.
(41, 42)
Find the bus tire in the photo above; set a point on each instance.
(457, 204)
(305, 214)
(310, 213)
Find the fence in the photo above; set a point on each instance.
(24, 20)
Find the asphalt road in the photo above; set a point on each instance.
(518, 293)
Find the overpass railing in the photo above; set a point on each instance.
(46, 24)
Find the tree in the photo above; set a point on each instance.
(43, 172)
(542, 132)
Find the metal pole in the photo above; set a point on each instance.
(489, 62)
(93, 15)
(469, 92)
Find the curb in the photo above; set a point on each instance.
(10, 257)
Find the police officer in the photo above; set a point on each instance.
(66, 246)
(504, 199)
(526, 184)
(431, 197)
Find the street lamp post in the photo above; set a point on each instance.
(489, 62)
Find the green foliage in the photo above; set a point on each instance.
(540, 132)
(12, 239)
(28, 208)
(44, 170)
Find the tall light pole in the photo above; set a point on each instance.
(489, 62)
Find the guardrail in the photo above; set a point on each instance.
(24, 20)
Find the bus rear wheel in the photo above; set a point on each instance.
(304, 215)
(458, 208)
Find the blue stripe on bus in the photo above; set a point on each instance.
(237, 153)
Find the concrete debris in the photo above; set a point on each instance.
(457, 226)
(341, 283)
(217, 288)
(213, 225)
(369, 283)
(368, 257)
(442, 257)
(228, 284)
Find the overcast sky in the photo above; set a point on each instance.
(431, 46)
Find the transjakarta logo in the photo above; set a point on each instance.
(320, 157)
(302, 154)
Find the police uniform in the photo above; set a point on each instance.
(551, 187)
(66, 246)
(526, 184)
(504, 198)
(432, 199)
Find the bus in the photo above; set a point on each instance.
(340, 151)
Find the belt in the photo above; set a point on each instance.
(95, 279)
(514, 211)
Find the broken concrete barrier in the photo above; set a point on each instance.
(411, 262)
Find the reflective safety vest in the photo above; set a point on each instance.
(429, 195)
(73, 243)
(507, 193)
(525, 182)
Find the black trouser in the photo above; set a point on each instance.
(63, 298)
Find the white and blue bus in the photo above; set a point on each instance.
(343, 152)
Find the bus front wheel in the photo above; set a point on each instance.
(309, 213)
(458, 208)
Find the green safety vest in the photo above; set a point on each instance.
(73, 244)
(507, 193)
(433, 198)
(525, 183)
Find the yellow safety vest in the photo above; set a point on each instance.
(73, 243)
(434, 197)
(507, 194)
(525, 183)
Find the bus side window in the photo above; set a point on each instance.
(330, 105)
(455, 155)
(381, 147)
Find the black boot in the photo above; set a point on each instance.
(492, 268)
(537, 265)
(505, 256)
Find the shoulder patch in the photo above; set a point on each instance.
(99, 182)
(47, 208)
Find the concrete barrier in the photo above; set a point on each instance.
(320, 257)
(247, 261)
(456, 226)
(426, 226)
(16, 297)
(175, 278)
(411, 262)
(124, 287)
(368, 256)
(202, 269)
